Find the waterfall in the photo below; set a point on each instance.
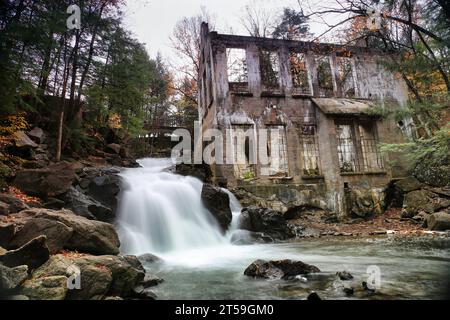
(236, 209)
(161, 212)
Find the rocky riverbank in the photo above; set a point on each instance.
(57, 240)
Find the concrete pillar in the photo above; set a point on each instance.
(285, 74)
(254, 76)
(312, 73)
(337, 88)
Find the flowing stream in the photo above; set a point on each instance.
(162, 213)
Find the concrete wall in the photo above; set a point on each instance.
(260, 107)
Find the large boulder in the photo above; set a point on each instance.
(125, 276)
(85, 206)
(46, 288)
(267, 221)
(363, 202)
(51, 181)
(415, 202)
(22, 141)
(57, 233)
(105, 189)
(433, 173)
(439, 221)
(37, 134)
(11, 278)
(218, 203)
(64, 230)
(408, 184)
(33, 254)
(100, 276)
(14, 204)
(94, 280)
(282, 269)
(199, 171)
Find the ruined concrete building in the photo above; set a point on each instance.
(324, 98)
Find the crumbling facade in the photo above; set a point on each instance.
(323, 98)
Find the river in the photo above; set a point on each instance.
(161, 213)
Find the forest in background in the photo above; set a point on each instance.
(98, 85)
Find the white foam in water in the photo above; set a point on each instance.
(162, 213)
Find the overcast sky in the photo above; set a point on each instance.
(152, 21)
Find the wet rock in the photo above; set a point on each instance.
(124, 276)
(105, 189)
(201, 172)
(130, 163)
(88, 236)
(11, 278)
(218, 203)
(134, 262)
(151, 280)
(365, 287)
(313, 296)
(87, 207)
(282, 269)
(22, 141)
(348, 290)
(415, 202)
(244, 237)
(46, 288)
(51, 181)
(14, 204)
(270, 222)
(37, 135)
(439, 221)
(149, 258)
(344, 275)
(143, 294)
(33, 254)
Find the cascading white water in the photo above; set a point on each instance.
(162, 212)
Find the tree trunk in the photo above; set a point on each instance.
(91, 53)
(63, 105)
(45, 71)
